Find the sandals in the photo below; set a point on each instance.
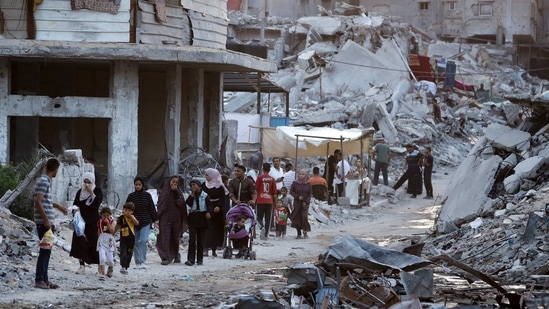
(110, 271)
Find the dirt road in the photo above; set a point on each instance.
(180, 286)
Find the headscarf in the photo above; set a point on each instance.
(306, 180)
(215, 179)
(166, 193)
(84, 194)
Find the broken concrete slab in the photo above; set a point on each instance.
(507, 138)
(532, 167)
(358, 69)
(322, 24)
(473, 172)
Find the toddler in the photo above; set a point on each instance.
(281, 219)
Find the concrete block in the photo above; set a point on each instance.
(512, 184)
(507, 138)
(532, 167)
(499, 213)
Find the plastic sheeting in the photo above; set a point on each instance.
(346, 249)
(281, 141)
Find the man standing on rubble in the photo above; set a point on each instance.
(413, 172)
(427, 163)
(382, 156)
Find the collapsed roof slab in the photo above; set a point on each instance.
(507, 138)
(209, 59)
(323, 25)
(468, 190)
(358, 69)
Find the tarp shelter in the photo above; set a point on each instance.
(312, 141)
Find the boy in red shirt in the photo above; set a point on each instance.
(266, 198)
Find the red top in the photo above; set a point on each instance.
(281, 216)
(103, 227)
(266, 189)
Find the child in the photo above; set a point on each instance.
(105, 242)
(126, 223)
(281, 219)
(286, 199)
(241, 243)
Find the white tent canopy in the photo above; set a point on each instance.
(313, 141)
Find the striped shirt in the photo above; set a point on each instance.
(145, 210)
(43, 187)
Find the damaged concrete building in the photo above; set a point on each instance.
(128, 82)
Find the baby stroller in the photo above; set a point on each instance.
(247, 232)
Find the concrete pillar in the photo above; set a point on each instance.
(172, 125)
(4, 119)
(123, 133)
(215, 89)
(230, 132)
(196, 108)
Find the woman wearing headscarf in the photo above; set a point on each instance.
(145, 213)
(217, 193)
(87, 202)
(302, 191)
(172, 213)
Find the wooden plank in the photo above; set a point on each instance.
(208, 31)
(210, 7)
(177, 27)
(15, 26)
(55, 20)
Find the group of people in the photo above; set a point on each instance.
(417, 166)
(202, 213)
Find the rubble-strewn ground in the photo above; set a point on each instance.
(218, 281)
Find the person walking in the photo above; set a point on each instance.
(241, 188)
(301, 191)
(172, 212)
(382, 157)
(427, 163)
(43, 218)
(106, 244)
(126, 224)
(413, 172)
(199, 215)
(145, 213)
(266, 199)
(87, 202)
(218, 194)
(277, 173)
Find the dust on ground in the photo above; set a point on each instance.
(219, 280)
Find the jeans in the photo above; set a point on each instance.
(140, 248)
(265, 210)
(43, 261)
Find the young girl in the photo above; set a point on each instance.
(105, 242)
(285, 198)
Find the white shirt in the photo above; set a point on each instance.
(341, 168)
(289, 178)
(277, 174)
